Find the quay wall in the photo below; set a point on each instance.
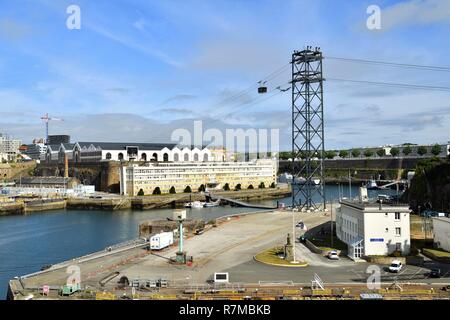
(138, 203)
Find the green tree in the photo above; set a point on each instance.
(201, 188)
(368, 153)
(187, 189)
(272, 185)
(284, 155)
(172, 190)
(330, 154)
(250, 187)
(157, 190)
(226, 187)
(238, 187)
(381, 152)
(343, 153)
(356, 153)
(261, 185)
(395, 152)
(407, 150)
(141, 192)
(436, 149)
(421, 150)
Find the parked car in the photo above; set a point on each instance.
(395, 266)
(333, 255)
(435, 273)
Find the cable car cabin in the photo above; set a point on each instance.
(262, 89)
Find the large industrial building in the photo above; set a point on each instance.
(180, 175)
(372, 229)
(118, 151)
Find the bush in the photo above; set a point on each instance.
(201, 188)
(238, 187)
(381, 152)
(396, 254)
(226, 187)
(272, 185)
(261, 185)
(157, 190)
(172, 190)
(250, 187)
(187, 189)
(141, 192)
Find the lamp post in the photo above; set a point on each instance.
(293, 237)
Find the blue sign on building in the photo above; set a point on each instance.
(376, 240)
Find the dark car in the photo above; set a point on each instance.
(435, 273)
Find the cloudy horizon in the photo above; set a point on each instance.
(137, 70)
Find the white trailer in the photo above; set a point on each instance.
(161, 240)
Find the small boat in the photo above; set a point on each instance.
(211, 204)
(194, 205)
(371, 185)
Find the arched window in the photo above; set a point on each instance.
(155, 156)
(165, 157)
(176, 157)
(205, 157)
(195, 156)
(120, 156)
(186, 157)
(144, 157)
(108, 156)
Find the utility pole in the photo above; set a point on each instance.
(350, 184)
(331, 220)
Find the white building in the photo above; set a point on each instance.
(370, 228)
(441, 229)
(180, 175)
(9, 148)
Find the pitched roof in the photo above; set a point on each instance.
(124, 145)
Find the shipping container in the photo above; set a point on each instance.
(161, 240)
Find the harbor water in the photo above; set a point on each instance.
(30, 242)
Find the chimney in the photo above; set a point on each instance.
(66, 166)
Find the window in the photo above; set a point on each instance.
(108, 156)
(195, 156)
(398, 232)
(165, 157)
(186, 157)
(120, 156)
(397, 216)
(205, 157)
(176, 157)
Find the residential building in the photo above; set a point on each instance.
(9, 148)
(370, 228)
(165, 175)
(441, 230)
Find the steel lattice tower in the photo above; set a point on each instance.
(307, 130)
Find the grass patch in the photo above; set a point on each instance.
(271, 256)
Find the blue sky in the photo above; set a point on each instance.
(136, 70)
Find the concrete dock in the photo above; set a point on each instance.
(229, 247)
